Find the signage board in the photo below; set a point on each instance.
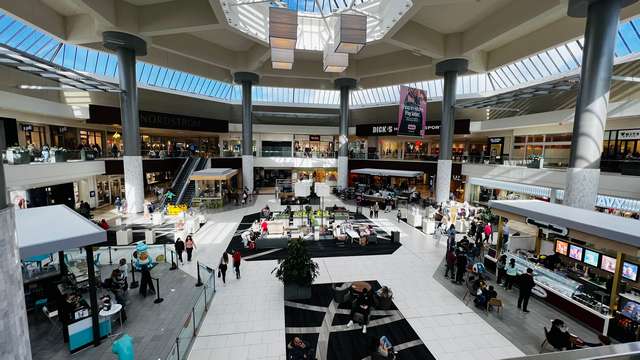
(461, 127)
(412, 112)
(632, 134)
(314, 137)
(27, 127)
(547, 227)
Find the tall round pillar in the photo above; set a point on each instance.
(583, 174)
(247, 79)
(14, 342)
(344, 85)
(449, 69)
(127, 47)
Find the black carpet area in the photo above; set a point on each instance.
(351, 343)
(317, 249)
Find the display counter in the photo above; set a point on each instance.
(566, 294)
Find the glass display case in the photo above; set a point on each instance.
(552, 280)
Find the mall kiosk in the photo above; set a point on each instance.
(45, 232)
(585, 262)
(210, 185)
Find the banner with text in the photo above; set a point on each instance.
(412, 112)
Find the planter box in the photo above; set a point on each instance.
(87, 155)
(296, 292)
(58, 156)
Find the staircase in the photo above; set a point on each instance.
(189, 191)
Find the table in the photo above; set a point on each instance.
(359, 286)
(115, 309)
(353, 235)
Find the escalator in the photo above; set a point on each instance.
(181, 181)
(188, 192)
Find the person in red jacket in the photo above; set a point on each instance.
(488, 232)
(237, 257)
(451, 262)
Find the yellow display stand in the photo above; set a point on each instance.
(176, 209)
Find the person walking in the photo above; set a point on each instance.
(118, 204)
(488, 232)
(461, 266)
(451, 262)
(525, 283)
(179, 246)
(376, 209)
(371, 212)
(505, 234)
(399, 215)
(512, 274)
(189, 246)
(222, 267)
(502, 264)
(237, 258)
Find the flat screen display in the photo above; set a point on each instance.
(629, 271)
(575, 252)
(591, 257)
(608, 264)
(562, 247)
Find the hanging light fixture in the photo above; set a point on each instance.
(333, 61)
(281, 59)
(283, 28)
(350, 33)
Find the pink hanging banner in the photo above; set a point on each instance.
(412, 112)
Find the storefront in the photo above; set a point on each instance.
(585, 262)
(416, 150)
(108, 187)
(315, 146)
(358, 147)
(554, 149)
(390, 148)
(32, 135)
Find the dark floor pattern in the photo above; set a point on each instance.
(153, 327)
(317, 249)
(322, 323)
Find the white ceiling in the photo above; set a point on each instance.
(456, 16)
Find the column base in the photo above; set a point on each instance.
(443, 181)
(247, 172)
(343, 172)
(581, 188)
(133, 183)
(14, 342)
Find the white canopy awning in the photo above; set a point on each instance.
(49, 229)
(616, 228)
(214, 174)
(388, 172)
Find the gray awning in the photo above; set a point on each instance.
(616, 228)
(49, 229)
(388, 172)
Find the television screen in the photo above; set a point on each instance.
(629, 271)
(608, 264)
(575, 252)
(591, 257)
(562, 247)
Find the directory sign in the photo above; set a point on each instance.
(608, 264)
(591, 257)
(562, 247)
(575, 252)
(629, 271)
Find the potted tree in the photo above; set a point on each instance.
(297, 271)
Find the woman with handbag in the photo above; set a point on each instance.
(222, 267)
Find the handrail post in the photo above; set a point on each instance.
(158, 299)
(199, 283)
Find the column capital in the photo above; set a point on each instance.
(345, 82)
(458, 65)
(579, 8)
(245, 76)
(114, 40)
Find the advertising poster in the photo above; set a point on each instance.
(412, 113)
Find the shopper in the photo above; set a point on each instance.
(124, 268)
(525, 284)
(561, 339)
(179, 246)
(300, 349)
(117, 283)
(512, 274)
(450, 263)
(502, 264)
(505, 233)
(362, 305)
(399, 215)
(222, 267)
(461, 266)
(237, 258)
(118, 204)
(488, 232)
(189, 245)
(376, 209)
(371, 212)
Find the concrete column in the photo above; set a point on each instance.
(449, 69)
(247, 79)
(127, 47)
(344, 85)
(583, 174)
(14, 341)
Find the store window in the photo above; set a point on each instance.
(357, 147)
(314, 146)
(390, 149)
(276, 148)
(90, 138)
(416, 150)
(34, 135)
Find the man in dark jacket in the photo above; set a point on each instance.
(525, 283)
(461, 266)
(451, 262)
(179, 246)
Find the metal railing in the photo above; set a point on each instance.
(613, 352)
(192, 322)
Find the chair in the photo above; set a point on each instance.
(342, 293)
(51, 315)
(495, 303)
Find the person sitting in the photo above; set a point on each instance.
(560, 338)
(103, 224)
(361, 307)
(299, 350)
(246, 238)
(382, 348)
(484, 295)
(383, 298)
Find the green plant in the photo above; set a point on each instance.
(487, 216)
(298, 267)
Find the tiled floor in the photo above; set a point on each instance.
(247, 319)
